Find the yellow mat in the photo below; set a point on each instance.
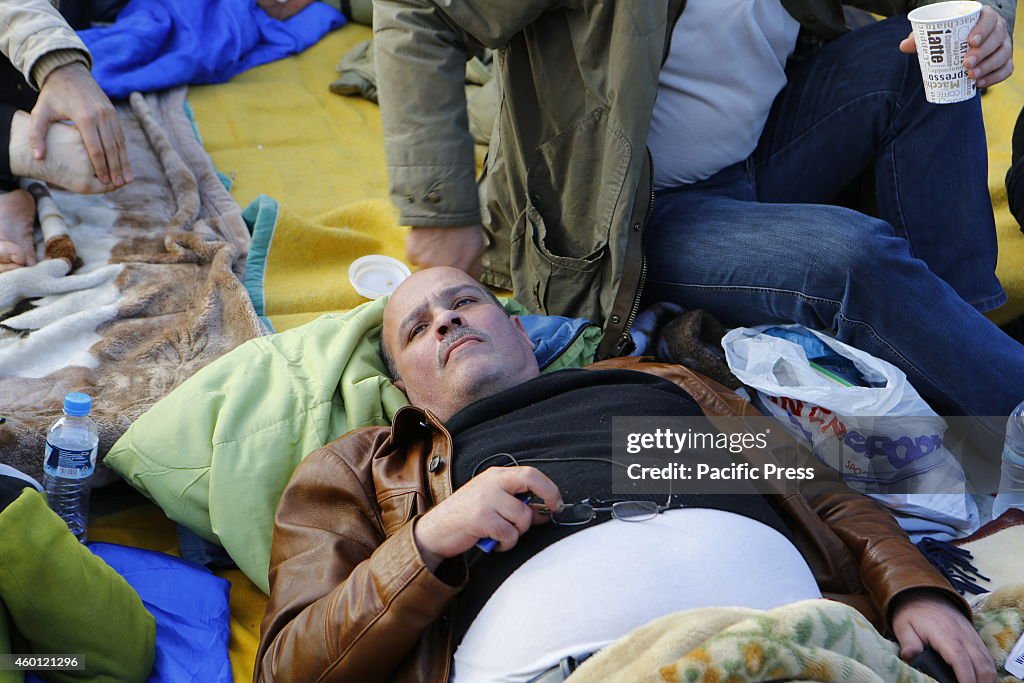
(277, 131)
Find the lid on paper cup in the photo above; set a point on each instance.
(376, 275)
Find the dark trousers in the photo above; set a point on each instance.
(1015, 176)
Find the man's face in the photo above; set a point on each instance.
(451, 343)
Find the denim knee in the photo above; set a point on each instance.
(861, 252)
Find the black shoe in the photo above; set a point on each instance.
(12, 483)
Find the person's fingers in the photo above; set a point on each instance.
(909, 44)
(30, 253)
(109, 151)
(956, 656)
(988, 20)
(122, 149)
(86, 127)
(532, 480)
(502, 531)
(999, 63)
(983, 663)
(39, 123)
(109, 142)
(910, 642)
(988, 47)
(996, 48)
(515, 512)
(11, 253)
(981, 659)
(997, 76)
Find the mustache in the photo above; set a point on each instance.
(455, 335)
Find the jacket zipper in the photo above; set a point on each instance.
(634, 309)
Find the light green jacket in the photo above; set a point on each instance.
(566, 187)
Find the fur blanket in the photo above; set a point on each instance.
(155, 296)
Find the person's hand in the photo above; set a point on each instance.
(486, 507)
(989, 58)
(457, 247)
(283, 10)
(922, 619)
(70, 92)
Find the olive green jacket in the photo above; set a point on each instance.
(566, 189)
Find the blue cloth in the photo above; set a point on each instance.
(191, 609)
(758, 243)
(156, 44)
(197, 549)
(551, 335)
(820, 353)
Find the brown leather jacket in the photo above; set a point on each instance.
(350, 597)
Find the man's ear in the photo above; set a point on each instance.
(519, 326)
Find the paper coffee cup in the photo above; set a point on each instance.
(941, 32)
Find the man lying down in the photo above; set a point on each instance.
(373, 575)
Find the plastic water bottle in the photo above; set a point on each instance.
(1011, 479)
(71, 446)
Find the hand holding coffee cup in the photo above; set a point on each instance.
(957, 43)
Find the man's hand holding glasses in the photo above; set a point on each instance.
(486, 507)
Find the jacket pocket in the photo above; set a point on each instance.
(558, 284)
(396, 509)
(575, 182)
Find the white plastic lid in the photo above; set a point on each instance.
(376, 275)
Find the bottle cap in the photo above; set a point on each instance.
(77, 404)
(375, 275)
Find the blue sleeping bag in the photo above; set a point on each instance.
(155, 44)
(190, 606)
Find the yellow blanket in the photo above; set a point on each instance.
(278, 131)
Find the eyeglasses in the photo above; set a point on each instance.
(578, 514)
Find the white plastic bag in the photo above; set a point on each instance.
(841, 423)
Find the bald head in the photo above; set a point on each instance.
(450, 342)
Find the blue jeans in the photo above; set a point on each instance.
(758, 243)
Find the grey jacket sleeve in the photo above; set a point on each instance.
(32, 29)
(421, 48)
